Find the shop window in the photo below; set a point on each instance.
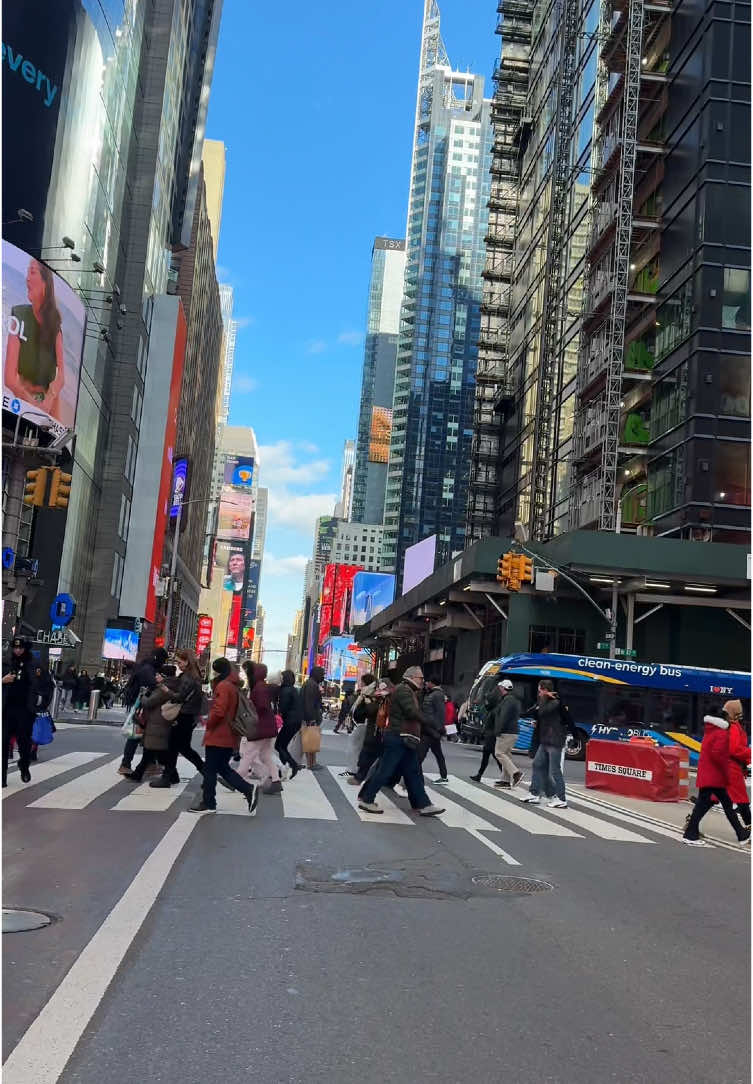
(732, 472)
(736, 299)
(734, 386)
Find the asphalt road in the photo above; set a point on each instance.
(305, 944)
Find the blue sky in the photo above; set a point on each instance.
(315, 104)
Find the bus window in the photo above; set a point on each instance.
(582, 701)
(670, 711)
(481, 690)
(624, 706)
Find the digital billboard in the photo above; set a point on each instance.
(239, 471)
(179, 485)
(344, 660)
(337, 591)
(372, 593)
(252, 591)
(204, 633)
(236, 513)
(44, 322)
(379, 434)
(419, 562)
(122, 644)
(229, 562)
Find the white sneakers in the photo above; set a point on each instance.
(557, 803)
(535, 799)
(531, 799)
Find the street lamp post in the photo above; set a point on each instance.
(174, 562)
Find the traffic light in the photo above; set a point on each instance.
(36, 484)
(525, 569)
(504, 567)
(60, 489)
(513, 581)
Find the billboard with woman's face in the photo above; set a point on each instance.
(43, 336)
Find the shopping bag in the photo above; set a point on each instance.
(450, 728)
(131, 727)
(311, 739)
(41, 732)
(294, 747)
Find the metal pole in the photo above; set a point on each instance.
(93, 705)
(613, 625)
(173, 565)
(630, 621)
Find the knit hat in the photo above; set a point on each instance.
(733, 709)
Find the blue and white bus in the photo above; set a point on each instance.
(613, 698)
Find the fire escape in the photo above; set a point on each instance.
(493, 390)
(612, 428)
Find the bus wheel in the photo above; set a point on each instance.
(576, 750)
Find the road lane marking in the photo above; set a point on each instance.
(596, 826)
(44, 1050)
(148, 799)
(83, 790)
(649, 826)
(391, 814)
(40, 773)
(517, 813)
(304, 799)
(457, 816)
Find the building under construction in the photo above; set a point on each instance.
(614, 359)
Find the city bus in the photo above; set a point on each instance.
(613, 699)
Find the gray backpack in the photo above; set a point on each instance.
(246, 721)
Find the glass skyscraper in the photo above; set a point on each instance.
(378, 381)
(430, 446)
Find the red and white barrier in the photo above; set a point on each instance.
(636, 769)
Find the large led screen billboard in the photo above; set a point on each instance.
(337, 592)
(236, 514)
(44, 323)
(379, 434)
(372, 593)
(419, 562)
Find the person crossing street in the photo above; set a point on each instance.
(432, 729)
(506, 726)
(713, 779)
(553, 723)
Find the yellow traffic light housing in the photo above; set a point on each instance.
(504, 567)
(60, 489)
(36, 484)
(513, 582)
(525, 569)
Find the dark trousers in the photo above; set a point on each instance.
(370, 753)
(17, 723)
(743, 809)
(397, 760)
(703, 805)
(180, 745)
(217, 762)
(150, 756)
(287, 732)
(129, 751)
(487, 752)
(435, 745)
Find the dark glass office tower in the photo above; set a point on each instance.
(430, 447)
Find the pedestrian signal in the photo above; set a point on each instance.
(60, 489)
(36, 484)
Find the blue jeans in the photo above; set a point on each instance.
(396, 760)
(547, 772)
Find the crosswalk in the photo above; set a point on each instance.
(79, 781)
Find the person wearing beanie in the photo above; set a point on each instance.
(712, 779)
(311, 696)
(739, 759)
(400, 753)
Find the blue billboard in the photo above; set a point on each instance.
(372, 593)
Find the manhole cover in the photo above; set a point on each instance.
(523, 886)
(19, 921)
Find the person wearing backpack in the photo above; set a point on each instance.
(220, 740)
(257, 754)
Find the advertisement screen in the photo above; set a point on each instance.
(43, 336)
(204, 633)
(372, 593)
(419, 562)
(337, 592)
(180, 482)
(379, 434)
(239, 471)
(236, 511)
(344, 660)
(229, 564)
(120, 644)
(252, 591)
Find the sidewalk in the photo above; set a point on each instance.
(105, 717)
(671, 814)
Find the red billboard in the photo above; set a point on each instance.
(166, 475)
(204, 633)
(337, 593)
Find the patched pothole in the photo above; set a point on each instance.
(414, 883)
(17, 921)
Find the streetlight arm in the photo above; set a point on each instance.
(575, 584)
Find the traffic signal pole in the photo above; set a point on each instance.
(174, 563)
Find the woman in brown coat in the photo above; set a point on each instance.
(156, 729)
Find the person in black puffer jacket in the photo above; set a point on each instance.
(19, 705)
(432, 727)
(185, 690)
(366, 734)
(290, 707)
(553, 723)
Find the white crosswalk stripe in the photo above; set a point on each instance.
(148, 799)
(83, 790)
(304, 799)
(517, 813)
(457, 816)
(42, 772)
(391, 814)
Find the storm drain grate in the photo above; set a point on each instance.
(523, 886)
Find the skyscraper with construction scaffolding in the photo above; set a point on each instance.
(430, 445)
(621, 379)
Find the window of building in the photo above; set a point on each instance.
(734, 385)
(117, 575)
(732, 472)
(736, 299)
(565, 641)
(673, 320)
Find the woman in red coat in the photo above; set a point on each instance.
(739, 758)
(713, 772)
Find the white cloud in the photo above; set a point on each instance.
(284, 566)
(279, 466)
(244, 321)
(298, 510)
(350, 338)
(316, 346)
(245, 384)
